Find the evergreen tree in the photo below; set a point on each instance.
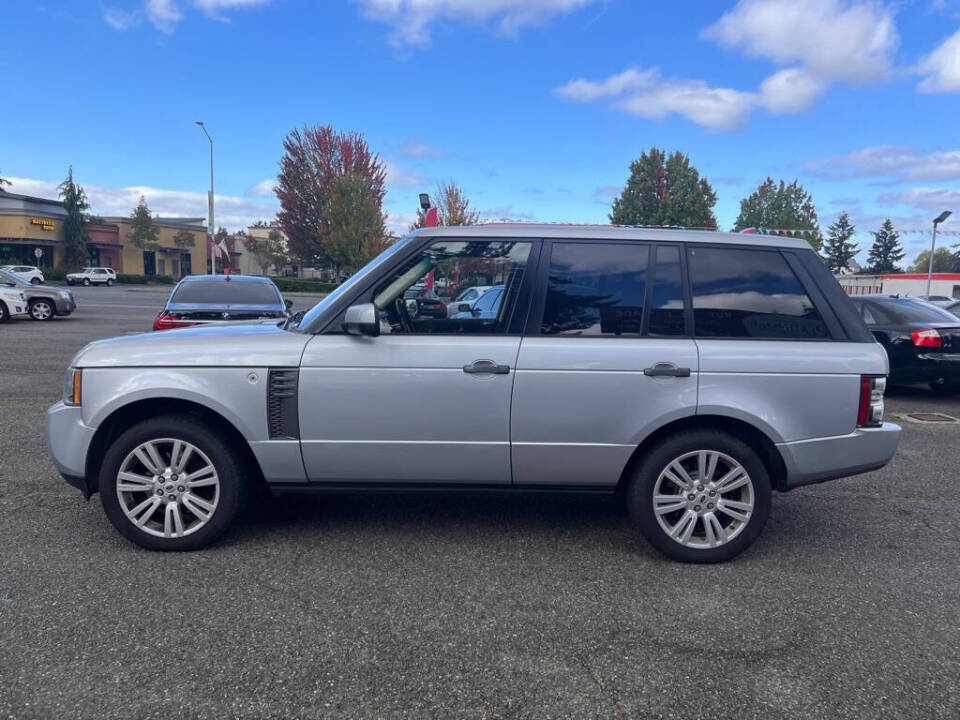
(143, 232)
(664, 190)
(74, 226)
(781, 209)
(838, 251)
(886, 250)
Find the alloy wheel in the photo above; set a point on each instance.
(703, 499)
(41, 310)
(168, 487)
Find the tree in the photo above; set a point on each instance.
(838, 251)
(453, 207)
(664, 190)
(943, 261)
(270, 252)
(184, 239)
(781, 209)
(886, 250)
(3, 181)
(74, 226)
(354, 223)
(314, 160)
(143, 232)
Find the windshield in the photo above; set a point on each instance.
(315, 312)
(221, 292)
(10, 277)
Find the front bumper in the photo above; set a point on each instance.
(68, 441)
(821, 459)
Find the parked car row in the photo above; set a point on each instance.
(40, 302)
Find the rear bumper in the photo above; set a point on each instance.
(929, 367)
(822, 459)
(68, 441)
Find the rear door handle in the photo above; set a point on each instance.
(666, 370)
(486, 367)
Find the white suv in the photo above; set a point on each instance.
(93, 275)
(28, 272)
(12, 302)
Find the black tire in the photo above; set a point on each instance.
(4, 313)
(35, 281)
(945, 387)
(86, 282)
(640, 494)
(229, 468)
(109, 282)
(42, 309)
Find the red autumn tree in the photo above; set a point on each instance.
(315, 161)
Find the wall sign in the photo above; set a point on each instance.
(44, 223)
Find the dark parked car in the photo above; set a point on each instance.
(43, 301)
(429, 303)
(953, 307)
(922, 340)
(200, 299)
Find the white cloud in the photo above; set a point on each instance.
(163, 14)
(399, 177)
(831, 39)
(645, 94)
(232, 212)
(120, 19)
(216, 8)
(264, 188)
(398, 223)
(897, 162)
(925, 198)
(504, 213)
(412, 20)
(790, 91)
(941, 68)
(416, 149)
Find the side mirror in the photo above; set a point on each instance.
(288, 304)
(362, 320)
(464, 307)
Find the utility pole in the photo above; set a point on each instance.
(212, 225)
(933, 245)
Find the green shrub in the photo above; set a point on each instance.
(54, 274)
(131, 279)
(288, 284)
(163, 279)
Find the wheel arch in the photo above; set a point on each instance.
(122, 418)
(739, 428)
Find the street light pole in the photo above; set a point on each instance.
(213, 227)
(933, 245)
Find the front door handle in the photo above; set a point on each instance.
(666, 370)
(486, 367)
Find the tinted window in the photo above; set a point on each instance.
(666, 302)
(750, 294)
(905, 310)
(595, 289)
(219, 292)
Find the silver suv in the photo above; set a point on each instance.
(693, 372)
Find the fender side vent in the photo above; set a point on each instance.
(282, 418)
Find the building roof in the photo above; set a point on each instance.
(185, 222)
(609, 232)
(12, 203)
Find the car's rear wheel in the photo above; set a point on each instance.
(41, 309)
(700, 496)
(86, 282)
(109, 282)
(171, 483)
(4, 313)
(945, 387)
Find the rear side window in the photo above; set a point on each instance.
(596, 289)
(666, 300)
(743, 293)
(226, 293)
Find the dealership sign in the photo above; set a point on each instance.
(42, 222)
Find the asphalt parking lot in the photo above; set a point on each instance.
(409, 606)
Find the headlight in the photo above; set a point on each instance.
(71, 386)
(65, 295)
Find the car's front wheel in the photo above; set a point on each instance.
(35, 281)
(41, 309)
(171, 483)
(700, 496)
(86, 282)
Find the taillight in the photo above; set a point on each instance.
(871, 401)
(166, 321)
(926, 338)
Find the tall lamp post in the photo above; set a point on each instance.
(933, 245)
(213, 227)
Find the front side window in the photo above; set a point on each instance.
(420, 297)
(745, 293)
(596, 289)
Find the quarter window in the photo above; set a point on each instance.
(741, 293)
(596, 289)
(666, 303)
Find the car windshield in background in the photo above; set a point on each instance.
(220, 292)
(907, 310)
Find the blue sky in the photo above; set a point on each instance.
(535, 107)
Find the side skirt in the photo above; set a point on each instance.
(421, 488)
